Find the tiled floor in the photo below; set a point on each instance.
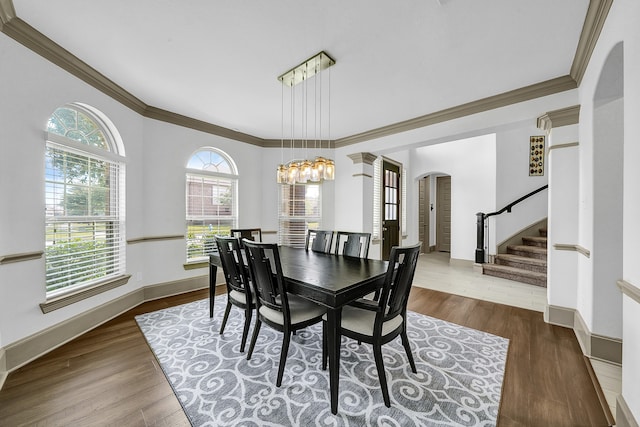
(434, 271)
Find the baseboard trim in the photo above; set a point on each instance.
(3, 367)
(596, 346)
(624, 416)
(559, 316)
(598, 388)
(21, 352)
(461, 262)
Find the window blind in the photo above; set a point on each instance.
(377, 202)
(84, 220)
(299, 210)
(210, 212)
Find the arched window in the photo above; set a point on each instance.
(211, 200)
(84, 200)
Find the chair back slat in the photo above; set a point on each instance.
(266, 274)
(319, 241)
(235, 273)
(254, 234)
(352, 244)
(398, 281)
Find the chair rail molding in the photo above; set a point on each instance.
(629, 290)
(154, 239)
(572, 247)
(27, 256)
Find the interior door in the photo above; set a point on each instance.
(424, 204)
(390, 207)
(443, 214)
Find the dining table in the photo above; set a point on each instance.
(332, 281)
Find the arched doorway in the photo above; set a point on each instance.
(608, 155)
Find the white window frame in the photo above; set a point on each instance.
(207, 240)
(81, 282)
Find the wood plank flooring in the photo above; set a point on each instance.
(109, 376)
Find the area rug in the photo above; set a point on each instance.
(459, 379)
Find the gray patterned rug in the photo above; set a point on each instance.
(459, 379)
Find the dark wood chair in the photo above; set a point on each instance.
(239, 291)
(319, 241)
(352, 244)
(254, 234)
(379, 322)
(282, 311)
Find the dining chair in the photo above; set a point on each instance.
(247, 233)
(239, 291)
(379, 322)
(276, 307)
(352, 244)
(319, 241)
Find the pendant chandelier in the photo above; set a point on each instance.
(303, 170)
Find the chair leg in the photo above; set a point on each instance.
(283, 356)
(377, 353)
(407, 349)
(245, 331)
(324, 346)
(226, 316)
(254, 338)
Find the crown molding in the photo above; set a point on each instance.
(366, 158)
(558, 118)
(31, 38)
(7, 12)
(593, 23)
(19, 30)
(538, 90)
(191, 123)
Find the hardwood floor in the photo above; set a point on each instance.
(109, 376)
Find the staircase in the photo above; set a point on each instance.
(526, 263)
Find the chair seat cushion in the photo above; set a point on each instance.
(240, 297)
(361, 321)
(300, 309)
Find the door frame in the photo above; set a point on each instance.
(384, 254)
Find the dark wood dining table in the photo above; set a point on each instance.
(329, 280)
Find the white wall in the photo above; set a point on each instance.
(562, 271)
(620, 18)
(513, 181)
(156, 156)
(471, 163)
(618, 27)
(32, 89)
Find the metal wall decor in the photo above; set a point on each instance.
(536, 155)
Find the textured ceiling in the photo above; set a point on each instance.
(218, 61)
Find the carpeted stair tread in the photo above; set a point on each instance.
(535, 241)
(525, 250)
(523, 262)
(517, 274)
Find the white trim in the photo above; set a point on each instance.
(83, 149)
(19, 353)
(624, 416)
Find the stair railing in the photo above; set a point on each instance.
(482, 217)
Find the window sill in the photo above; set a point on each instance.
(196, 264)
(82, 294)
